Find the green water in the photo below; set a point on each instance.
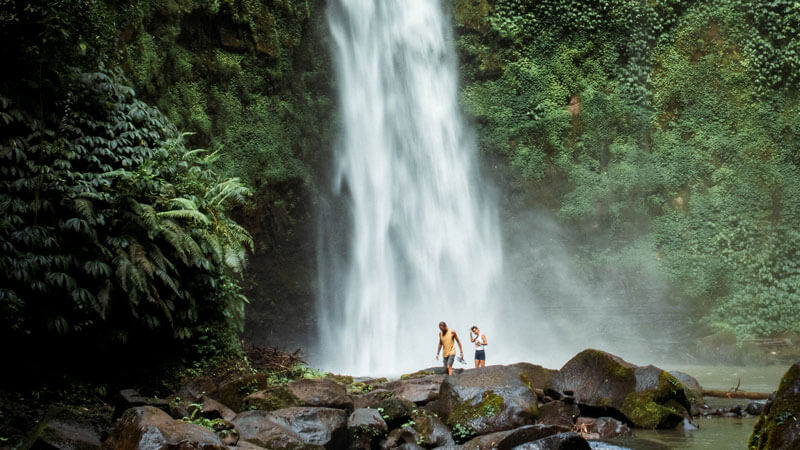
(721, 433)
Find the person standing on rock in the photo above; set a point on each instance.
(446, 338)
(479, 339)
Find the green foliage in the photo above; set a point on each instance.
(463, 433)
(244, 89)
(665, 133)
(111, 226)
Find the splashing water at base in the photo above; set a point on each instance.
(417, 241)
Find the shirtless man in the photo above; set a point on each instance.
(446, 338)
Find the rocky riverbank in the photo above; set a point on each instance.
(595, 396)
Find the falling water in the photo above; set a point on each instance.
(411, 239)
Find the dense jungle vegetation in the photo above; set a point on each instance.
(660, 131)
(134, 133)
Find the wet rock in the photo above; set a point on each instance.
(504, 440)
(370, 399)
(64, 428)
(294, 426)
(410, 446)
(396, 411)
(494, 398)
(755, 408)
(147, 427)
(399, 437)
(419, 390)
(244, 445)
(778, 426)
(563, 441)
(430, 431)
(694, 392)
(130, 398)
(212, 409)
(606, 385)
(195, 388)
(558, 413)
(604, 427)
(320, 393)
(232, 393)
(365, 427)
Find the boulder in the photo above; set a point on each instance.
(149, 428)
(370, 399)
(504, 440)
(192, 390)
(130, 398)
(319, 392)
(694, 392)
(563, 441)
(605, 385)
(296, 426)
(778, 426)
(603, 427)
(559, 413)
(490, 399)
(64, 428)
(419, 390)
(212, 409)
(232, 393)
(365, 427)
(430, 431)
(399, 437)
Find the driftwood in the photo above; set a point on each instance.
(272, 359)
(736, 394)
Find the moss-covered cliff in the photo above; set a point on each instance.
(664, 133)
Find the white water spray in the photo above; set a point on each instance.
(421, 239)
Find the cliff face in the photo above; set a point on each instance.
(253, 82)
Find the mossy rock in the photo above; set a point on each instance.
(417, 374)
(778, 426)
(341, 379)
(647, 397)
(395, 410)
(277, 397)
(643, 412)
(487, 400)
(468, 413)
(232, 393)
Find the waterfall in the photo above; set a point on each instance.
(411, 238)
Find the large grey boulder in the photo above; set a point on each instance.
(64, 428)
(295, 426)
(319, 392)
(490, 399)
(149, 428)
(419, 390)
(505, 440)
(606, 385)
(778, 426)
